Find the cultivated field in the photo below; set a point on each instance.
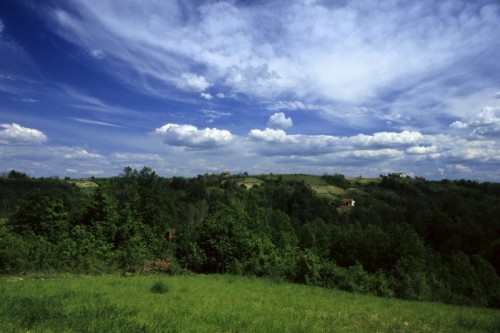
(216, 303)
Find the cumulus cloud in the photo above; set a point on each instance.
(485, 123)
(279, 121)
(192, 137)
(386, 139)
(460, 168)
(453, 149)
(206, 96)
(288, 144)
(371, 154)
(459, 125)
(14, 134)
(422, 150)
(192, 82)
(271, 135)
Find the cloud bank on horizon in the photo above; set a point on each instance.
(358, 87)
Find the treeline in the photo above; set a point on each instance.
(405, 238)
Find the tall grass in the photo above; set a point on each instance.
(216, 303)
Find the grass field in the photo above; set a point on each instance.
(216, 303)
(249, 182)
(83, 183)
(328, 190)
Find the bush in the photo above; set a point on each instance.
(159, 287)
(157, 266)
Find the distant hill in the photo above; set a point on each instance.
(391, 236)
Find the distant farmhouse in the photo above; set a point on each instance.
(347, 202)
(399, 175)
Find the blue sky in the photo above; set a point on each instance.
(88, 87)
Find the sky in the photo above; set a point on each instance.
(360, 88)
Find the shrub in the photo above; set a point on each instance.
(159, 287)
(157, 266)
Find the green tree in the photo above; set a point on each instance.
(101, 216)
(231, 242)
(42, 216)
(14, 252)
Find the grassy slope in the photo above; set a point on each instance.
(217, 304)
(321, 187)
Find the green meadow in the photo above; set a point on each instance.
(216, 303)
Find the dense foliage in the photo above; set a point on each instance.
(406, 238)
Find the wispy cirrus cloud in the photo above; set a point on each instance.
(339, 53)
(81, 154)
(95, 122)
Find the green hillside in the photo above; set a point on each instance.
(216, 303)
(406, 238)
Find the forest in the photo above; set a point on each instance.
(407, 238)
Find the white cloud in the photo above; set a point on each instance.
(96, 53)
(422, 150)
(28, 100)
(271, 135)
(94, 172)
(372, 154)
(190, 136)
(347, 52)
(213, 114)
(14, 134)
(459, 125)
(81, 154)
(95, 122)
(206, 96)
(281, 144)
(387, 139)
(279, 121)
(460, 168)
(485, 123)
(2, 26)
(488, 116)
(289, 105)
(124, 157)
(192, 82)
(454, 149)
